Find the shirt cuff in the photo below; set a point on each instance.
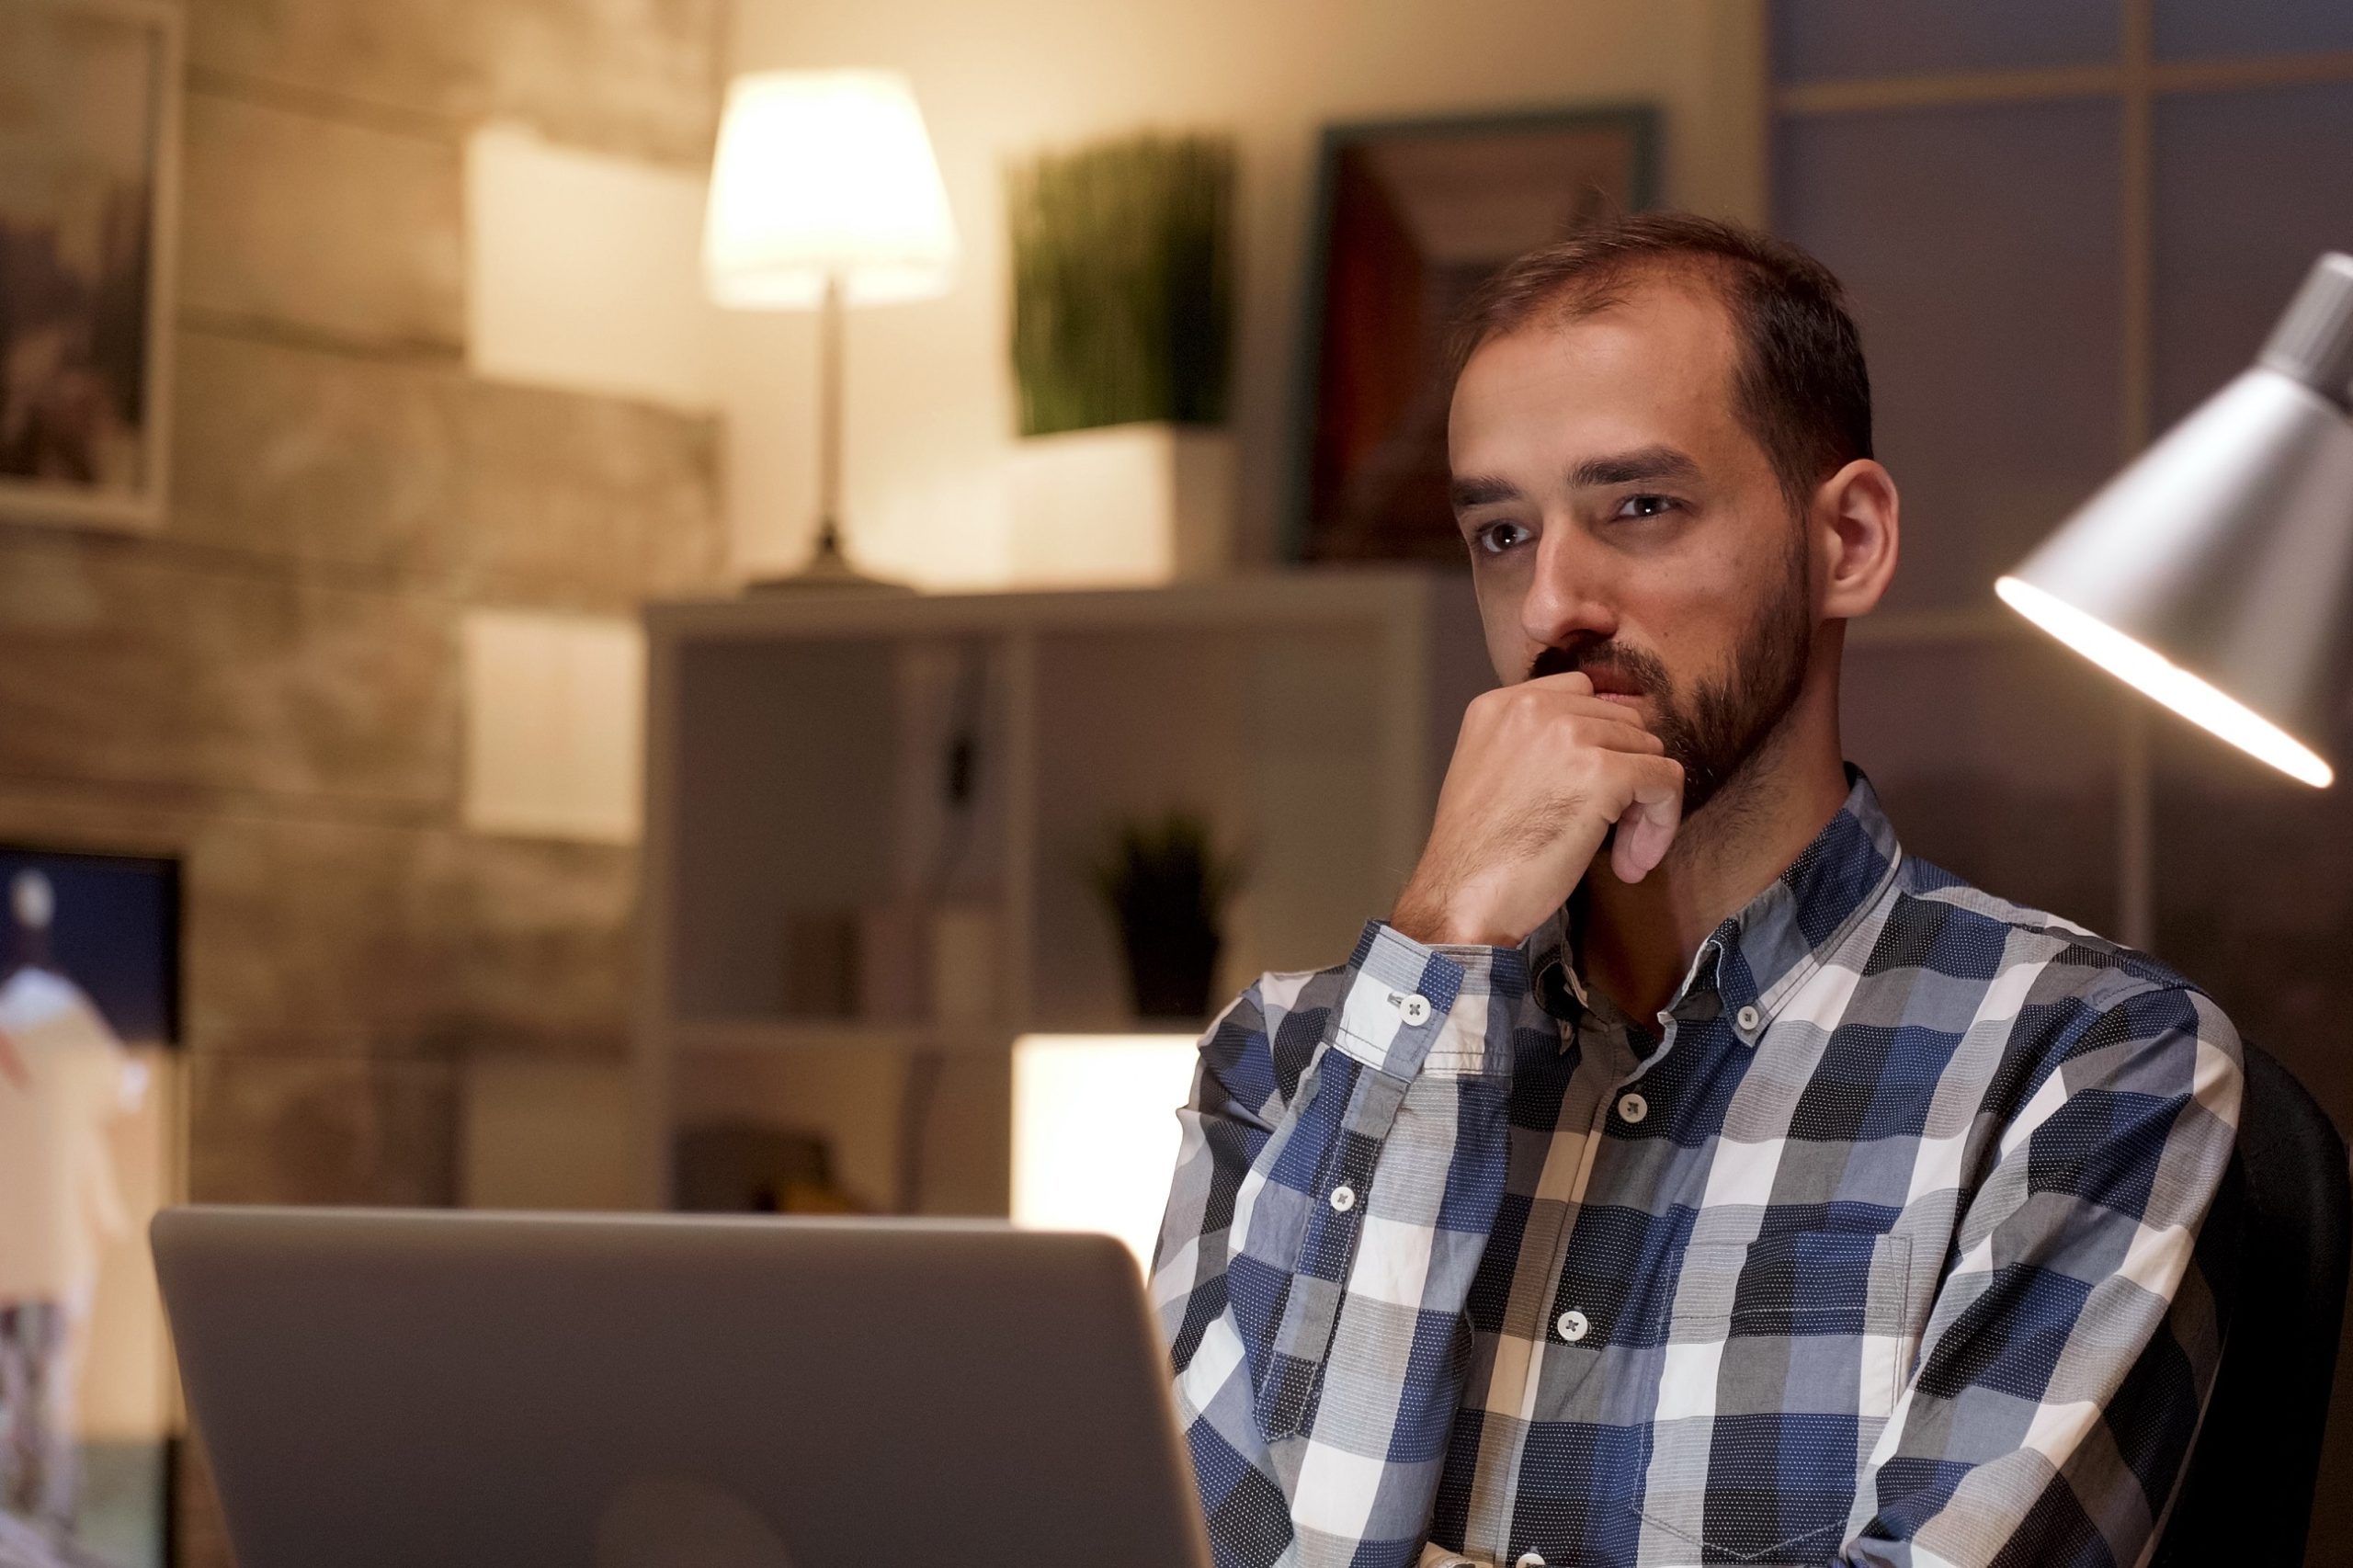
(1412, 1008)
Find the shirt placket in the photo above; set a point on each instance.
(1616, 1062)
(1531, 1331)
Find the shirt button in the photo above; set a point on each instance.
(1415, 1009)
(1747, 1018)
(1572, 1325)
(1632, 1108)
(1344, 1197)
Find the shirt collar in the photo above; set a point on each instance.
(1758, 958)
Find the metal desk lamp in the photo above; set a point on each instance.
(2215, 573)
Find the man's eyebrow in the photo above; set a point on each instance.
(1627, 467)
(1482, 490)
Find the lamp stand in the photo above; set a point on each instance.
(828, 568)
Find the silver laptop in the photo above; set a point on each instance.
(379, 1388)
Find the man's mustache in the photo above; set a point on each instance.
(1637, 668)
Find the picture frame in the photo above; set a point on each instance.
(93, 1142)
(1410, 216)
(89, 193)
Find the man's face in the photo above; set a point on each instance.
(1622, 521)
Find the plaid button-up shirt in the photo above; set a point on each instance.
(1885, 1252)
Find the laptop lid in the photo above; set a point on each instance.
(390, 1388)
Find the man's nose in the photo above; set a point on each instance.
(1568, 594)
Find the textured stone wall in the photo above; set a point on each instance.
(269, 687)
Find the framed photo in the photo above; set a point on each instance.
(91, 1145)
(89, 150)
(1410, 216)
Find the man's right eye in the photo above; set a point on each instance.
(1496, 538)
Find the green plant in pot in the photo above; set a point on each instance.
(1122, 309)
(1123, 282)
(1167, 888)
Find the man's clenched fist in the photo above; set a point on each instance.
(1542, 770)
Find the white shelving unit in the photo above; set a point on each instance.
(796, 757)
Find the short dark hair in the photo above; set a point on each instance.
(1802, 389)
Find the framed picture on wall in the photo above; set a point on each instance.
(89, 117)
(91, 1145)
(1410, 216)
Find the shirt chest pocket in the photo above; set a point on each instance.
(1808, 1322)
(1783, 1360)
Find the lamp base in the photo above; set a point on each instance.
(828, 570)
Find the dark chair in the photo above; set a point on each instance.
(2288, 1213)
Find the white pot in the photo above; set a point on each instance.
(1125, 505)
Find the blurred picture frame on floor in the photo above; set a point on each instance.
(91, 1144)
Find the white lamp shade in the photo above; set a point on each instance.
(1094, 1132)
(2215, 573)
(825, 173)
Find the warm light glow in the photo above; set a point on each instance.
(824, 172)
(1094, 1132)
(2153, 674)
(554, 725)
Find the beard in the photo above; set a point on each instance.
(1722, 724)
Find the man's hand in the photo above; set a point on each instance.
(1541, 771)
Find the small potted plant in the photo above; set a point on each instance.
(1167, 888)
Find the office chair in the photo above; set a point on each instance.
(2288, 1213)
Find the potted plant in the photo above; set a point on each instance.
(1167, 889)
(1122, 345)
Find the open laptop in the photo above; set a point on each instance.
(467, 1389)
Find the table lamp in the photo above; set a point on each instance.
(825, 194)
(1094, 1132)
(2215, 573)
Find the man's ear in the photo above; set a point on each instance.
(1856, 533)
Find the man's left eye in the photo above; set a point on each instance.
(1646, 506)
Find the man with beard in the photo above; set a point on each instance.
(1682, 1172)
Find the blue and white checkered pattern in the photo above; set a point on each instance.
(1883, 1253)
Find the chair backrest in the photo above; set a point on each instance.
(2286, 1214)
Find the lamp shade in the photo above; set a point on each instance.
(2215, 573)
(825, 174)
